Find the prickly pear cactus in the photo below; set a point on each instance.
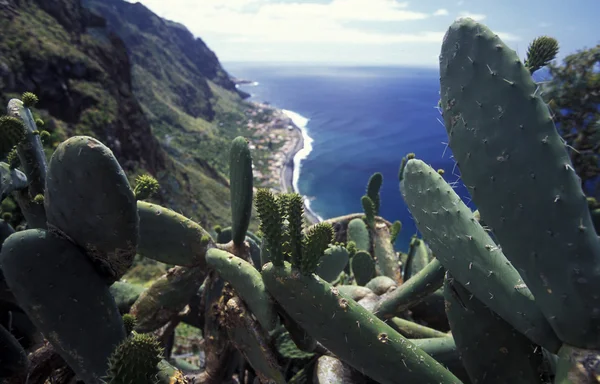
(104, 224)
(135, 361)
(65, 298)
(333, 301)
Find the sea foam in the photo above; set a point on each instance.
(301, 122)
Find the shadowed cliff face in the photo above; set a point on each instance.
(168, 55)
(81, 73)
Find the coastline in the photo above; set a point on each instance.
(288, 171)
(283, 168)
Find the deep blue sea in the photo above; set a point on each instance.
(359, 120)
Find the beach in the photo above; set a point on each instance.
(282, 130)
(286, 175)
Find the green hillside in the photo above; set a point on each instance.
(157, 96)
(192, 105)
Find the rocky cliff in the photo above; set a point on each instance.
(157, 96)
(84, 84)
(168, 55)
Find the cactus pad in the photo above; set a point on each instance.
(240, 172)
(248, 284)
(60, 291)
(363, 267)
(89, 200)
(465, 249)
(171, 238)
(357, 337)
(333, 262)
(490, 348)
(359, 234)
(521, 178)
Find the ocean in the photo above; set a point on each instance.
(357, 121)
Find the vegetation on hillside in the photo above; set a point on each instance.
(161, 109)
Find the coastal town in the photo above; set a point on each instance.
(276, 133)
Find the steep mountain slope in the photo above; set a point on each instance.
(84, 84)
(193, 106)
(168, 112)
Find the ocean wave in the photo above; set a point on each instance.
(301, 122)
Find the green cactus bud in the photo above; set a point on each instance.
(373, 187)
(135, 360)
(44, 135)
(271, 223)
(295, 210)
(441, 172)
(13, 158)
(12, 131)
(129, 321)
(29, 99)
(6, 216)
(282, 201)
(395, 230)
(351, 248)
(217, 229)
(39, 123)
(205, 240)
(403, 164)
(541, 52)
(38, 199)
(146, 186)
(369, 208)
(316, 242)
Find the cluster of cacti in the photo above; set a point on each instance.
(331, 303)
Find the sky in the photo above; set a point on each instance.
(372, 32)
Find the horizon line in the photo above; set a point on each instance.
(329, 63)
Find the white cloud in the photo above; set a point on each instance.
(474, 16)
(326, 34)
(505, 36)
(344, 10)
(243, 28)
(296, 22)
